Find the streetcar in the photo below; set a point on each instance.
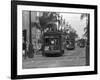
(52, 45)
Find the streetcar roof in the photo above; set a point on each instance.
(55, 33)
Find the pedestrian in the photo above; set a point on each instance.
(24, 49)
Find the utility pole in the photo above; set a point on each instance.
(88, 45)
(30, 52)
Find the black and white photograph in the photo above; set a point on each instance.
(53, 39)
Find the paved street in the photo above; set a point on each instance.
(70, 58)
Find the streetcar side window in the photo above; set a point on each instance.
(47, 41)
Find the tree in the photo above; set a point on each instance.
(47, 18)
(73, 34)
(87, 16)
(87, 23)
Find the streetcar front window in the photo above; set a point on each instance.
(51, 43)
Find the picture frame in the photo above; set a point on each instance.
(18, 72)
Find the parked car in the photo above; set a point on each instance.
(70, 44)
(81, 43)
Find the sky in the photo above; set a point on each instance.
(76, 22)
